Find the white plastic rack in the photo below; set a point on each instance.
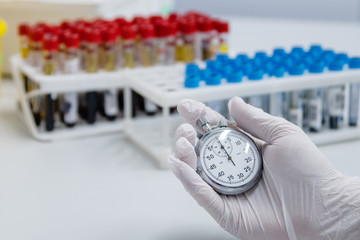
(165, 88)
(81, 82)
(163, 85)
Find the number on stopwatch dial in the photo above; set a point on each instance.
(229, 158)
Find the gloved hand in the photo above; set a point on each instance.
(300, 195)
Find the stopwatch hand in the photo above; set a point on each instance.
(222, 147)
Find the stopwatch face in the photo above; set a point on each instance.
(229, 161)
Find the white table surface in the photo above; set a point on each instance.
(103, 188)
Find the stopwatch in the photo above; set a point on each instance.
(228, 159)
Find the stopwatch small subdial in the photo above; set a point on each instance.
(223, 148)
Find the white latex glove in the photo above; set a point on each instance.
(300, 195)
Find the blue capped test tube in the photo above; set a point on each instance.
(296, 105)
(261, 55)
(214, 79)
(315, 50)
(315, 105)
(212, 64)
(297, 52)
(327, 56)
(279, 52)
(222, 58)
(279, 105)
(256, 100)
(336, 98)
(354, 63)
(233, 77)
(192, 81)
(224, 70)
(191, 69)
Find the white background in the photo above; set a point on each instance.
(333, 10)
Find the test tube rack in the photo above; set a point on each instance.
(164, 85)
(55, 84)
(166, 89)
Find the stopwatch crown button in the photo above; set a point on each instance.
(204, 124)
(223, 123)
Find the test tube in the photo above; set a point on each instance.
(222, 29)
(92, 38)
(205, 48)
(147, 45)
(214, 79)
(316, 99)
(129, 35)
(173, 17)
(315, 50)
(256, 100)
(296, 113)
(101, 49)
(24, 32)
(36, 47)
(188, 31)
(326, 56)
(36, 59)
(71, 66)
(80, 30)
(354, 64)
(171, 44)
(162, 33)
(277, 99)
(119, 47)
(110, 98)
(121, 22)
(51, 47)
(149, 48)
(336, 98)
(296, 108)
(62, 48)
(179, 45)
(278, 52)
(67, 25)
(261, 61)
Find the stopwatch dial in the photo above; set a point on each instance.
(233, 168)
(223, 147)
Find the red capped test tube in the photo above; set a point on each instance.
(24, 33)
(119, 48)
(173, 18)
(147, 45)
(171, 43)
(109, 98)
(36, 46)
(222, 29)
(129, 35)
(205, 48)
(156, 19)
(70, 101)
(138, 22)
(109, 37)
(36, 60)
(148, 56)
(51, 47)
(162, 34)
(92, 39)
(63, 33)
(80, 28)
(188, 31)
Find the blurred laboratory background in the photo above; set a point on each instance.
(88, 116)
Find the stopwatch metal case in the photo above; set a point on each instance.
(216, 186)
